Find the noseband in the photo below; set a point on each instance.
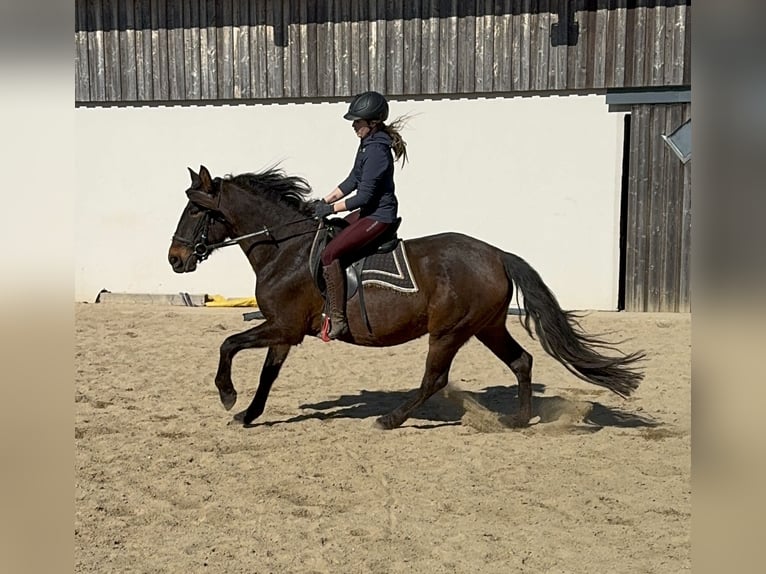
(198, 243)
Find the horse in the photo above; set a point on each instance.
(465, 287)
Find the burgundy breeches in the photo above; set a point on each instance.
(359, 233)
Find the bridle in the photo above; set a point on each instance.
(202, 249)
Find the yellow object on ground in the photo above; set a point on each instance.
(221, 301)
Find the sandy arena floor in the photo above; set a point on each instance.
(165, 485)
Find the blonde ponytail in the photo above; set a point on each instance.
(397, 143)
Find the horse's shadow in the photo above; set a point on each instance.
(446, 409)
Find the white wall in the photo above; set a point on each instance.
(535, 176)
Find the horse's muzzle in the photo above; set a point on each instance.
(181, 264)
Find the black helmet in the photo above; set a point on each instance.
(368, 106)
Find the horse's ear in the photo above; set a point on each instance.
(195, 179)
(202, 199)
(206, 180)
(201, 191)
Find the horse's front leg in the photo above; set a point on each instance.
(263, 335)
(274, 360)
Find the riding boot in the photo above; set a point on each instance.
(336, 296)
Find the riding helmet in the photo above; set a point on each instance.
(368, 106)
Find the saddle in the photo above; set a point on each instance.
(373, 260)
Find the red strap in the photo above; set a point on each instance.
(325, 332)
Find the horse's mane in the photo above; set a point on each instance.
(277, 186)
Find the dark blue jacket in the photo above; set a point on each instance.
(373, 179)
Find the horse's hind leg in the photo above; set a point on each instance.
(498, 340)
(269, 373)
(441, 351)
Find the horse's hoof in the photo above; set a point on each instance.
(228, 399)
(386, 422)
(518, 422)
(238, 419)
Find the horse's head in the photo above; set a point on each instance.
(202, 224)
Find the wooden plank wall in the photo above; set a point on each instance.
(191, 50)
(658, 239)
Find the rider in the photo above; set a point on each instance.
(373, 207)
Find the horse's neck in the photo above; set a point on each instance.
(257, 215)
(270, 258)
(283, 235)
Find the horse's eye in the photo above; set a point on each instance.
(193, 209)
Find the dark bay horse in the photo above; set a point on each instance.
(465, 288)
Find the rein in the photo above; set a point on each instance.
(202, 250)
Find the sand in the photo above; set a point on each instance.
(164, 484)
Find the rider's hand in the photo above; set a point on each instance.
(322, 209)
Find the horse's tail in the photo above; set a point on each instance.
(562, 338)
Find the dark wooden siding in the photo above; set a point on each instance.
(658, 238)
(192, 50)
